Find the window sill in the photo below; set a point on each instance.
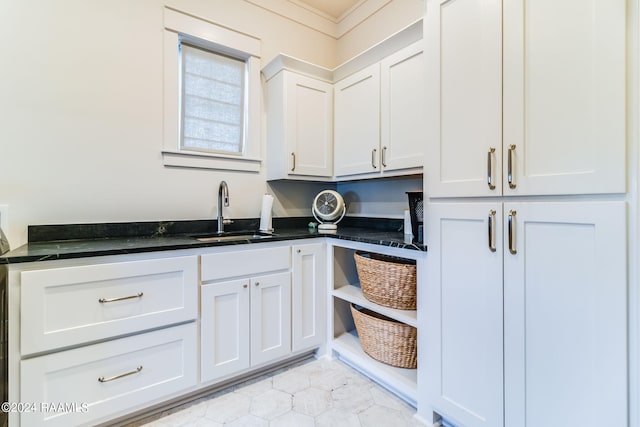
(191, 159)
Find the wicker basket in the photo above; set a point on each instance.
(386, 340)
(387, 280)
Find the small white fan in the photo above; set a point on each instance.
(328, 208)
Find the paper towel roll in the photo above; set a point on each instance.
(265, 213)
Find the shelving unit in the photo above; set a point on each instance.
(345, 344)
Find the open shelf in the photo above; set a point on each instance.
(353, 294)
(345, 290)
(401, 381)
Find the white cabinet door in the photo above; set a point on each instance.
(528, 97)
(270, 317)
(308, 125)
(308, 296)
(402, 109)
(463, 306)
(357, 123)
(565, 315)
(224, 333)
(463, 50)
(564, 95)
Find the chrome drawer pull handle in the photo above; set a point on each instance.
(490, 169)
(293, 168)
(126, 374)
(384, 156)
(103, 300)
(512, 233)
(492, 245)
(373, 158)
(512, 184)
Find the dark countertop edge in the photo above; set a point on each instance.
(72, 249)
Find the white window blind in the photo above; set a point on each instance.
(213, 98)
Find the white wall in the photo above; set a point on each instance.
(393, 17)
(81, 111)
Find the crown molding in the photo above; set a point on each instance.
(317, 20)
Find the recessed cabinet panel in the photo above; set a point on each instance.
(309, 126)
(463, 50)
(107, 299)
(308, 296)
(402, 109)
(109, 377)
(224, 334)
(564, 95)
(526, 97)
(565, 315)
(270, 317)
(464, 307)
(357, 118)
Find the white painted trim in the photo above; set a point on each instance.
(401, 39)
(183, 23)
(286, 62)
(182, 26)
(322, 22)
(192, 159)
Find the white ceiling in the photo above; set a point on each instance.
(336, 9)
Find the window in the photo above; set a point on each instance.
(212, 110)
(212, 95)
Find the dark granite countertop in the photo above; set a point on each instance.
(52, 242)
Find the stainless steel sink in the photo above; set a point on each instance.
(226, 236)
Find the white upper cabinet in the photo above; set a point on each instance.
(379, 116)
(402, 109)
(299, 127)
(525, 98)
(357, 122)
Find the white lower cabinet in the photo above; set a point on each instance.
(245, 322)
(270, 317)
(536, 291)
(224, 334)
(87, 384)
(308, 296)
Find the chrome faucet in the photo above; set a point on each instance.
(223, 191)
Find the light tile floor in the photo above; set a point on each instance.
(311, 393)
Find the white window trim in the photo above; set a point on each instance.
(180, 26)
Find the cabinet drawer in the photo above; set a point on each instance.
(62, 307)
(158, 364)
(244, 262)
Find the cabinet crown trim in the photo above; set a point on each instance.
(403, 38)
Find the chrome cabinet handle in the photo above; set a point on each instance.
(126, 374)
(373, 158)
(293, 155)
(512, 184)
(384, 156)
(492, 217)
(490, 168)
(512, 233)
(103, 300)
